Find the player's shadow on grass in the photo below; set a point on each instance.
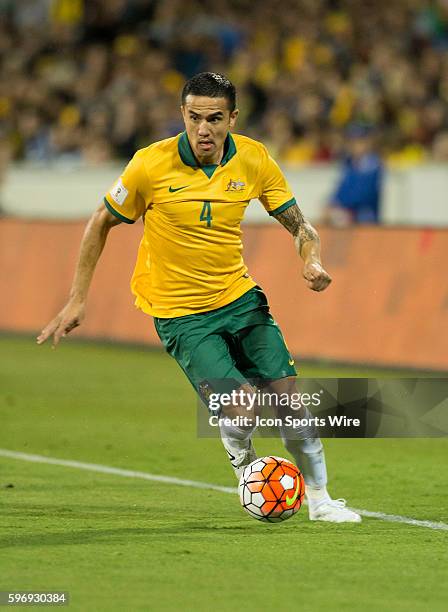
(123, 535)
(53, 512)
(75, 512)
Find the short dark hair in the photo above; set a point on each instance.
(212, 85)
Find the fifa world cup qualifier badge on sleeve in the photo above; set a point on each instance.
(119, 193)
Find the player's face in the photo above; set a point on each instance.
(207, 122)
(360, 146)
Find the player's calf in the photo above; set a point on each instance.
(237, 423)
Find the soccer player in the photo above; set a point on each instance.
(192, 191)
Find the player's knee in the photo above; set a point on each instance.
(241, 404)
(278, 391)
(282, 386)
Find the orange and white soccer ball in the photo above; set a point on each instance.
(271, 489)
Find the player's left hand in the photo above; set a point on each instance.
(315, 276)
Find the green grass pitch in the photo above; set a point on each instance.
(126, 544)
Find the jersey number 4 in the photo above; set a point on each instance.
(206, 213)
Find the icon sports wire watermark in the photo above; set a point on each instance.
(335, 407)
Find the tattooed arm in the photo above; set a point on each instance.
(307, 243)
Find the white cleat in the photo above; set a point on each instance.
(333, 511)
(240, 460)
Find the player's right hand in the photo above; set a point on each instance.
(70, 317)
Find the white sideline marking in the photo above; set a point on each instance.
(105, 469)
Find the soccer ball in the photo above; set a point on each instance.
(271, 489)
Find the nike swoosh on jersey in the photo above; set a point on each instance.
(173, 189)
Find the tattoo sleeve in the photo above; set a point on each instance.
(293, 220)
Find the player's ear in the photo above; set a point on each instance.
(233, 117)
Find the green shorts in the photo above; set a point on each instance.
(221, 349)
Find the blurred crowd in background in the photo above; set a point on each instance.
(94, 80)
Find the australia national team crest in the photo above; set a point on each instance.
(235, 185)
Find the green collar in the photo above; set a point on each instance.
(189, 159)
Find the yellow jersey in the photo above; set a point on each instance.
(190, 256)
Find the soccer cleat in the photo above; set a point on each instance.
(332, 511)
(242, 459)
